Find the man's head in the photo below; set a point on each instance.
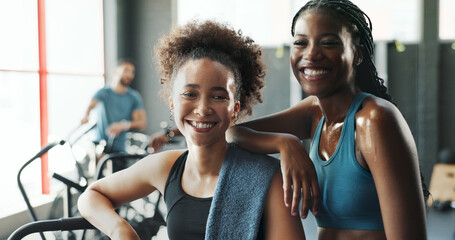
(125, 73)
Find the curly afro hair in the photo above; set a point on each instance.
(218, 42)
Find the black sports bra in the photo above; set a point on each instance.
(187, 215)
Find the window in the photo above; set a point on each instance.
(265, 21)
(268, 22)
(446, 19)
(75, 69)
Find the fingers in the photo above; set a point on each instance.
(287, 189)
(315, 194)
(296, 197)
(306, 199)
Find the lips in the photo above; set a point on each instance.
(314, 73)
(200, 126)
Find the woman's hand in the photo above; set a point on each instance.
(298, 174)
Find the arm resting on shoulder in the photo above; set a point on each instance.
(281, 132)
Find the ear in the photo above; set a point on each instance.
(358, 55)
(236, 109)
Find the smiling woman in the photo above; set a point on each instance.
(213, 190)
(362, 149)
(203, 102)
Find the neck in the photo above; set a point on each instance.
(206, 161)
(120, 88)
(336, 106)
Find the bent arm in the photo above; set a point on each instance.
(97, 204)
(296, 121)
(158, 139)
(99, 210)
(279, 224)
(281, 132)
(92, 105)
(388, 148)
(139, 120)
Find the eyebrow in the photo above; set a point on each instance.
(323, 35)
(196, 86)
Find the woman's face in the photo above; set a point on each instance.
(322, 54)
(203, 101)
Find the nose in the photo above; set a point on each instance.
(203, 108)
(312, 52)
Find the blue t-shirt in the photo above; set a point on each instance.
(113, 107)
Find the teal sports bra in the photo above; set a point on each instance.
(349, 198)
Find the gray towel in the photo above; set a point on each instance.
(240, 195)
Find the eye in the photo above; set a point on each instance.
(188, 95)
(220, 97)
(300, 43)
(330, 43)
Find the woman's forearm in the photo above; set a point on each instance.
(100, 212)
(260, 142)
(299, 174)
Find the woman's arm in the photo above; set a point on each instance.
(281, 133)
(97, 204)
(388, 148)
(279, 224)
(158, 139)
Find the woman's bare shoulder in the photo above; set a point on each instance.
(165, 159)
(377, 112)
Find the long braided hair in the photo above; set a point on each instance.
(366, 77)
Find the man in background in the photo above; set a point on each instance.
(119, 108)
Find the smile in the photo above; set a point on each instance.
(315, 72)
(201, 125)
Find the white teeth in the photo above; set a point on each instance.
(201, 125)
(315, 72)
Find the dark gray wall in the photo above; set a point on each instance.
(447, 96)
(140, 23)
(402, 77)
(402, 81)
(276, 94)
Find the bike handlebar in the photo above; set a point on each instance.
(62, 224)
(68, 182)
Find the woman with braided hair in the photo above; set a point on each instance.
(362, 151)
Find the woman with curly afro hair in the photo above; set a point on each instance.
(212, 75)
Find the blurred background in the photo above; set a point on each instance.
(54, 55)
